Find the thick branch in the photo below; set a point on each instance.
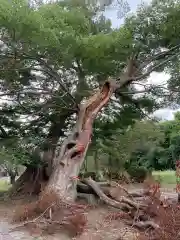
(84, 188)
(117, 204)
(129, 74)
(160, 55)
(146, 224)
(154, 68)
(83, 130)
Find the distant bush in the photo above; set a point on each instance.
(121, 176)
(137, 174)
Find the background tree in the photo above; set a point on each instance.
(12, 156)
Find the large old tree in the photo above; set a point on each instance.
(52, 57)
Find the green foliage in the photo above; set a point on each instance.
(69, 42)
(138, 174)
(53, 55)
(11, 157)
(175, 147)
(140, 134)
(164, 153)
(138, 148)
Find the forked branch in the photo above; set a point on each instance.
(123, 201)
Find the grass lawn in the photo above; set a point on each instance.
(165, 177)
(4, 185)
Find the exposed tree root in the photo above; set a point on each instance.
(143, 212)
(123, 202)
(144, 225)
(31, 182)
(82, 187)
(48, 212)
(138, 210)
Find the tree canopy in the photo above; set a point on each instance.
(53, 55)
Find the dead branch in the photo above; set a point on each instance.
(89, 198)
(136, 195)
(128, 75)
(33, 220)
(146, 224)
(121, 188)
(123, 201)
(160, 55)
(154, 68)
(84, 188)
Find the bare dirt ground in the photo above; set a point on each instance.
(98, 228)
(6, 226)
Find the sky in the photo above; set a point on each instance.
(157, 78)
(112, 14)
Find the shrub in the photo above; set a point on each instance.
(137, 174)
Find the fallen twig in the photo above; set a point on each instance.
(31, 221)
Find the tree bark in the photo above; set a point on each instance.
(12, 179)
(67, 165)
(31, 181)
(122, 202)
(55, 132)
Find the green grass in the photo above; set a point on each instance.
(165, 177)
(4, 186)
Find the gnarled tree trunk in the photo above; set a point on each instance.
(34, 177)
(55, 131)
(67, 165)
